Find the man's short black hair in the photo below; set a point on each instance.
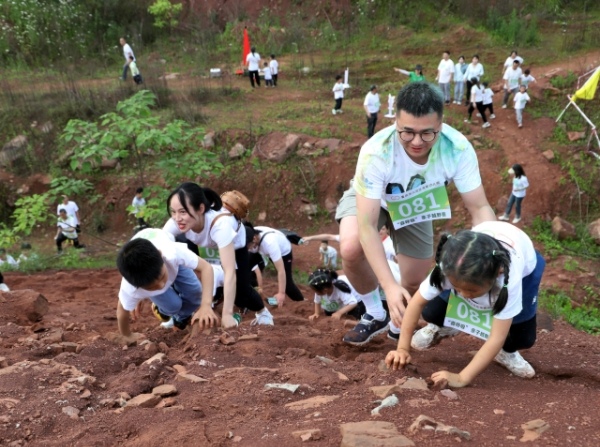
(139, 190)
(420, 99)
(338, 77)
(140, 262)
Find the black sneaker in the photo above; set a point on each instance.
(367, 328)
(182, 324)
(393, 336)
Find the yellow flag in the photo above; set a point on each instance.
(589, 88)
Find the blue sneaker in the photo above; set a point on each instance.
(367, 328)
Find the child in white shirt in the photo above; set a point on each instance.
(519, 187)
(274, 66)
(138, 204)
(267, 74)
(520, 100)
(488, 103)
(328, 255)
(526, 78)
(334, 295)
(338, 94)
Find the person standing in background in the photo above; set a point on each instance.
(444, 76)
(72, 210)
(474, 70)
(127, 53)
(371, 106)
(253, 63)
(459, 81)
(274, 66)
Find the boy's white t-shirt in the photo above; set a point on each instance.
(520, 100)
(329, 255)
(338, 90)
(509, 61)
(267, 73)
(337, 299)
(71, 209)
(383, 161)
(67, 226)
(128, 51)
(520, 186)
(138, 204)
(174, 254)
(372, 102)
(445, 70)
(274, 65)
(476, 93)
(225, 231)
(274, 244)
(522, 262)
(487, 96)
(525, 80)
(253, 61)
(512, 77)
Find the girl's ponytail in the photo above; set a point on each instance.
(502, 299)
(436, 278)
(213, 198)
(342, 286)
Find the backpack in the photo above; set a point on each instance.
(291, 236)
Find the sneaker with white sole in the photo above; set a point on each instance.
(264, 318)
(504, 106)
(430, 335)
(393, 336)
(479, 115)
(367, 328)
(485, 125)
(333, 111)
(516, 220)
(515, 363)
(168, 324)
(4, 288)
(492, 116)
(504, 217)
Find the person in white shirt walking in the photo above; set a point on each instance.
(474, 70)
(510, 59)
(72, 210)
(488, 103)
(527, 79)
(520, 100)
(372, 106)
(444, 76)
(512, 79)
(338, 94)
(274, 66)
(253, 63)
(127, 53)
(267, 74)
(66, 230)
(519, 190)
(477, 103)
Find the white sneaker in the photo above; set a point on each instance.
(263, 317)
(333, 111)
(520, 125)
(492, 116)
(467, 121)
(4, 288)
(504, 106)
(516, 220)
(427, 336)
(515, 363)
(479, 115)
(340, 111)
(504, 217)
(168, 324)
(485, 125)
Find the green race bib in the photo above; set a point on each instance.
(329, 306)
(468, 317)
(210, 255)
(427, 202)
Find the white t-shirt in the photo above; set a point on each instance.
(476, 93)
(338, 90)
(218, 277)
(274, 244)
(138, 204)
(383, 161)
(522, 262)
(520, 186)
(520, 100)
(337, 299)
(329, 256)
(473, 71)
(253, 61)
(509, 61)
(267, 73)
(487, 96)
(512, 77)
(10, 261)
(274, 65)
(388, 248)
(67, 227)
(445, 71)
(71, 208)
(223, 232)
(127, 51)
(372, 102)
(174, 254)
(525, 80)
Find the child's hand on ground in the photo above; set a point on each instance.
(205, 317)
(454, 380)
(337, 316)
(313, 317)
(227, 322)
(397, 359)
(280, 297)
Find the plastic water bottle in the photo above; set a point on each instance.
(237, 317)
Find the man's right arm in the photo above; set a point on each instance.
(123, 320)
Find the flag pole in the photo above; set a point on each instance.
(564, 110)
(581, 112)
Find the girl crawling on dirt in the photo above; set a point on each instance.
(198, 218)
(489, 280)
(334, 295)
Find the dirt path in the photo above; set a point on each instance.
(66, 381)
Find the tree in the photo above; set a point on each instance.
(164, 13)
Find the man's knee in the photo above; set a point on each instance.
(351, 250)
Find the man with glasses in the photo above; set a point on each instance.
(400, 181)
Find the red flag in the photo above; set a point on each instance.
(246, 46)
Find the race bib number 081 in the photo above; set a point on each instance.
(467, 317)
(427, 202)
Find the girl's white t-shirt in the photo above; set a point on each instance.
(337, 299)
(274, 66)
(521, 184)
(476, 93)
(274, 244)
(174, 254)
(253, 61)
(225, 230)
(474, 71)
(520, 100)
(522, 262)
(487, 96)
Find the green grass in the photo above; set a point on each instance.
(559, 305)
(581, 246)
(70, 259)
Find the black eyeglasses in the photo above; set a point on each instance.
(408, 135)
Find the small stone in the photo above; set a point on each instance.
(312, 434)
(248, 337)
(124, 395)
(451, 395)
(3, 362)
(163, 347)
(548, 155)
(85, 394)
(69, 346)
(237, 439)
(180, 369)
(164, 390)
(143, 401)
(72, 412)
(191, 377)
(500, 412)
(159, 358)
(226, 339)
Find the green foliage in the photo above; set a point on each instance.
(564, 82)
(30, 211)
(164, 13)
(69, 186)
(514, 29)
(583, 245)
(559, 304)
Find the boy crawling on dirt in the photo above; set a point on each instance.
(156, 267)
